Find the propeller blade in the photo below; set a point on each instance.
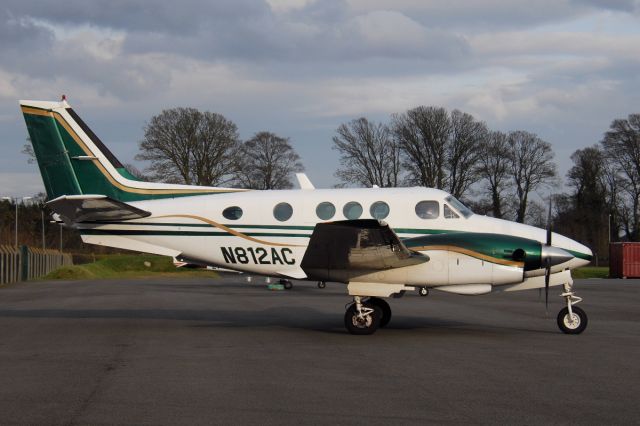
(547, 270)
(549, 223)
(547, 278)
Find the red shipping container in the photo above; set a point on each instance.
(624, 260)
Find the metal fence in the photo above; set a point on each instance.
(27, 263)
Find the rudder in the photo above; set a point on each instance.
(51, 154)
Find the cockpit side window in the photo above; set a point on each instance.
(449, 213)
(458, 206)
(428, 209)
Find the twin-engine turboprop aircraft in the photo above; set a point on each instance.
(378, 242)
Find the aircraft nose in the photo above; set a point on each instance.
(571, 251)
(583, 254)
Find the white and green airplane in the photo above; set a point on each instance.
(379, 242)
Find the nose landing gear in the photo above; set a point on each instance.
(571, 319)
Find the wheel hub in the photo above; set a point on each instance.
(361, 321)
(572, 321)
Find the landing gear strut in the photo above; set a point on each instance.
(571, 319)
(362, 317)
(384, 307)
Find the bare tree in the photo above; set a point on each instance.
(185, 145)
(463, 151)
(614, 183)
(440, 150)
(531, 167)
(368, 154)
(622, 148)
(422, 134)
(135, 172)
(494, 166)
(588, 211)
(266, 161)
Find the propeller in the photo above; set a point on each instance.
(547, 261)
(551, 256)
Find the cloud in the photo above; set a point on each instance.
(301, 67)
(286, 6)
(621, 5)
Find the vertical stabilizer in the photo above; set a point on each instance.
(74, 161)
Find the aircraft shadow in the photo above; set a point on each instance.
(291, 317)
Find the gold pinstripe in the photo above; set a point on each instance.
(471, 253)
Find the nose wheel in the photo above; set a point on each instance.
(572, 322)
(571, 319)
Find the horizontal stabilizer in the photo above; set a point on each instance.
(356, 245)
(93, 208)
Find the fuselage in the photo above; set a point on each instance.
(267, 232)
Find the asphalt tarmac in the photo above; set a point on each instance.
(193, 351)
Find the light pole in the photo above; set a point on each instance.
(9, 199)
(16, 199)
(42, 222)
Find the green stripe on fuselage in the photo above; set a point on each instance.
(156, 232)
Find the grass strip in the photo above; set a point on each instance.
(125, 266)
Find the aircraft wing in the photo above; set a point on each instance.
(93, 208)
(356, 245)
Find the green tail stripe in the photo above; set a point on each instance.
(53, 160)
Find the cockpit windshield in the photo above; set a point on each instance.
(464, 210)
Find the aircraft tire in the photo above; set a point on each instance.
(322, 284)
(356, 327)
(288, 285)
(423, 291)
(577, 326)
(384, 307)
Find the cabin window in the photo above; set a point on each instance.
(232, 213)
(449, 213)
(282, 211)
(379, 210)
(325, 210)
(352, 210)
(428, 209)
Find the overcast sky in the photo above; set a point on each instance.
(563, 69)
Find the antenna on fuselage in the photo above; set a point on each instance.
(304, 182)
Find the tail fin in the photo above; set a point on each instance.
(73, 160)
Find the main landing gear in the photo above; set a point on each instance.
(571, 319)
(366, 315)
